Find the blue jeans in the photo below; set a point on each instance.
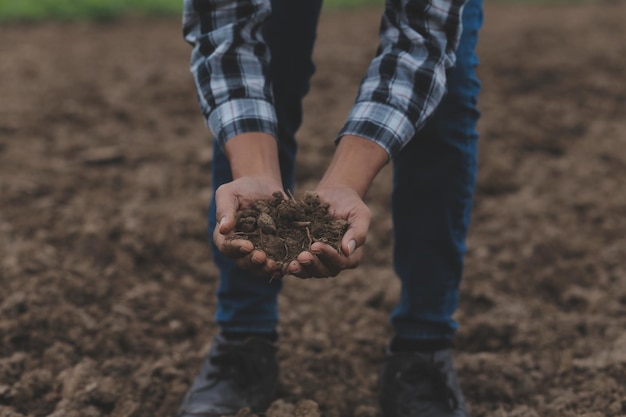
(434, 179)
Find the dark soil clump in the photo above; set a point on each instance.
(283, 228)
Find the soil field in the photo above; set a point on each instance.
(106, 281)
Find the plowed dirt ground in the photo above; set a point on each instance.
(106, 281)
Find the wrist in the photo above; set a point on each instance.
(355, 164)
(253, 155)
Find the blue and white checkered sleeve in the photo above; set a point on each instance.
(407, 79)
(230, 65)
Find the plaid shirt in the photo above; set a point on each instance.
(401, 88)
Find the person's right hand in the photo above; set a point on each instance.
(254, 164)
(230, 198)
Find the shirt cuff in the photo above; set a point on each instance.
(380, 123)
(242, 116)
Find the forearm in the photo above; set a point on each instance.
(355, 164)
(253, 155)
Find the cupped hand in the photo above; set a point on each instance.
(323, 260)
(229, 199)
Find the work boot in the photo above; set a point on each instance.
(236, 374)
(415, 384)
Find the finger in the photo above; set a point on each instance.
(356, 234)
(334, 260)
(257, 263)
(312, 266)
(232, 248)
(226, 204)
(355, 259)
(294, 268)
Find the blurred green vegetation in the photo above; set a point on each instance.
(11, 10)
(84, 9)
(108, 9)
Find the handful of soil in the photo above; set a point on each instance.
(284, 228)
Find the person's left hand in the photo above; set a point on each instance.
(323, 260)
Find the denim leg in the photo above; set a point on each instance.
(434, 179)
(247, 303)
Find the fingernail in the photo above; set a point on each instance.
(351, 246)
(222, 221)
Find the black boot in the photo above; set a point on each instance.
(417, 384)
(236, 374)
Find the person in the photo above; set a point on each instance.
(416, 106)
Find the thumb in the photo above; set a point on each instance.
(356, 234)
(226, 211)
